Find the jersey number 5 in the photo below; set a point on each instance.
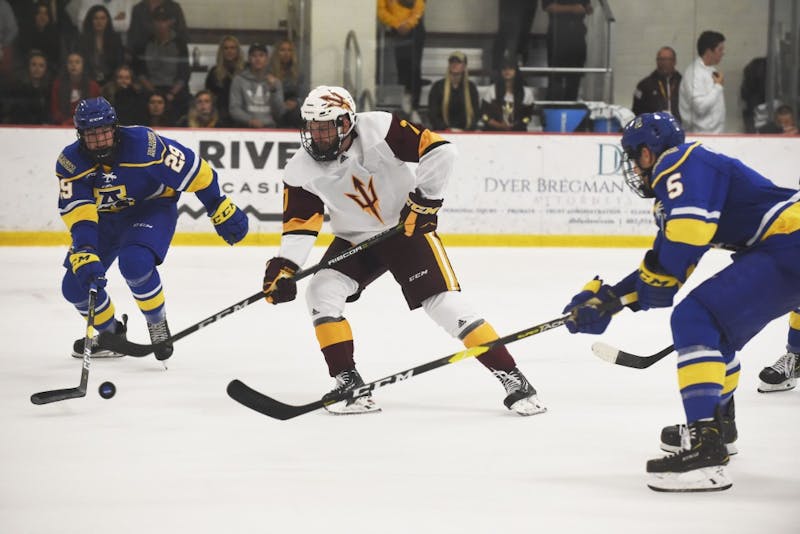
(674, 186)
(175, 159)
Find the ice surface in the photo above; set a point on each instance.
(172, 453)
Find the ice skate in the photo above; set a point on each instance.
(700, 467)
(160, 337)
(673, 436)
(346, 381)
(520, 394)
(782, 375)
(120, 331)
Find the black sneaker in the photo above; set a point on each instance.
(120, 331)
(781, 375)
(161, 338)
(672, 436)
(347, 381)
(701, 467)
(520, 394)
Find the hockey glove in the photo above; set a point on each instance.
(655, 289)
(419, 214)
(279, 285)
(592, 308)
(229, 221)
(88, 268)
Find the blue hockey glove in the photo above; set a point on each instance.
(655, 289)
(229, 221)
(279, 284)
(592, 308)
(419, 215)
(88, 268)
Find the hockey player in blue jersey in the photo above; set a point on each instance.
(703, 199)
(119, 188)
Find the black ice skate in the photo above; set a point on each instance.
(120, 331)
(346, 381)
(781, 375)
(672, 436)
(160, 337)
(701, 467)
(520, 394)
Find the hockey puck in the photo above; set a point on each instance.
(107, 390)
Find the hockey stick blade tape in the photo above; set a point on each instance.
(605, 352)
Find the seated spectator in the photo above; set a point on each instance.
(202, 113)
(256, 95)
(230, 62)
(8, 33)
(71, 86)
(165, 67)
(142, 25)
(448, 105)
(100, 45)
(158, 111)
(508, 104)
(120, 11)
(29, 100)
(41, 35)
(126, 97)
(783, 123)
(660, 90)
(285, 67)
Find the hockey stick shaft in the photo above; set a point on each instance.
(247, 396)
(46, 397)
(140, 350)
(627, 359)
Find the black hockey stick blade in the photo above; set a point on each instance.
(46, 397)
(249, 397)
(137, 350)
(626, 359)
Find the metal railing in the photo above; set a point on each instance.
(353, 81)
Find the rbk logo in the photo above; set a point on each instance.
(366, 198)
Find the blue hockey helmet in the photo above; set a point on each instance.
(657, 132)
(93, 113)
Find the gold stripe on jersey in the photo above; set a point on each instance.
(482, 335)
(427, 139)
(151, 303)
(786, 223)
(79, 176)
(701, 373)
(203, 178)
(332, 333)
(84, 212)
(690, 231)
(674, 166)
(310, 225)
(443, 261)
(794, 320)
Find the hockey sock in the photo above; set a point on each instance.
(336, 342)
(104, 309)
(498, 357)
(793, 343)
(732, 368)
(138, 267)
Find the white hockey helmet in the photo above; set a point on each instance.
(327, 103)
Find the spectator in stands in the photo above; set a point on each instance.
(202, 113)
(165, 68)
(65, 30)
(126, 96)
(256, 99)
(230, 62)
(41, 35)
(8, 35)
(660, 90)
(71, 86)
(514, 21)
(508, 104)
(453, 101)
(142, 25)
(566, 45)
(29, 100)
(158, 111)
(100, 44)
(784, 122)
(284, 66)
(120, 11)
(702, 98)
(754, 94)
(405, 21)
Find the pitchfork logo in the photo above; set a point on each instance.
(337, 100)
(366, 197)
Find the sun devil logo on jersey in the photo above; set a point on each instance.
(366, 198)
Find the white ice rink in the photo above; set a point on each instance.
(171, 453)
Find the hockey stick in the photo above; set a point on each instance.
(626, 359)
(55, 395)
(137, 350)
(244, 394)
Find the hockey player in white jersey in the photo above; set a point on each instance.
(356, 165)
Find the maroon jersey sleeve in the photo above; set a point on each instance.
(302, 211)
(409, 141)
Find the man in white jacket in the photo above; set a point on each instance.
(702, 100)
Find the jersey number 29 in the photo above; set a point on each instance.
(175, 159)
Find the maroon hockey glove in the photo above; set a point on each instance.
(279, 285)
(419, 215)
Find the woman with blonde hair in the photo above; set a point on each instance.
(230, 62)
(453, 100)
(284, 66)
